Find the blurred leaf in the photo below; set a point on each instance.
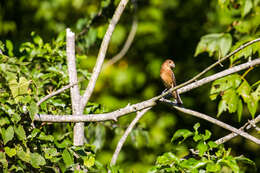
(222, 106)
(89, 161)
(44, 137)
(247, 5)
(10, 151)
(37, 160)
(181, 133)
(213, 167)
(167, 159)
(10, 47)
(211, 43)
(256, 93)
(67, 158)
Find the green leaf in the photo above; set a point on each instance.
(220, 85)
(67, 158)
(196, 126)
(231, 99)
(202, 147)
(19, 131)
(23, 86)
(7, 134)
(10, 47)
(213, 167)
(256, 93)
(38, 40)
(24, 156)
(167, 159)
(230, 162)
(89, 161)
(33, 109)
(239, 110)
(245, 160)
(212, 144)
(211, 43)
(181, 133)
(247, 5)
(3, 160)
(44, 137)
(252, 105)
(13, 85)
(37, 160)
(247, 51)
(222, 106)
(207, 135)
(244, 90)
(10, 151)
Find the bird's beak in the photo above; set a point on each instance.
(172, 65)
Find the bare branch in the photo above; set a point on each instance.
(247, 126)
(102, 52)
(144, 104)
(125, 135)
(214, 121)
(55, 93)
(95, 117)
(126, 46)
(74, 91)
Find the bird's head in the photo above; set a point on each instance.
(170, 63)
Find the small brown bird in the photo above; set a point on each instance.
(168, 78)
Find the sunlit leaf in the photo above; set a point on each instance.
(214, 43)
(67, 158)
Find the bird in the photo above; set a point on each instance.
(168, 78)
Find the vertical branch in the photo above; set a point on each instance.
(74, 91)
(102, 52)
(125, 135)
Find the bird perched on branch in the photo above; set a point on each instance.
(168, 78)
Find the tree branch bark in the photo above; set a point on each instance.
(230, 136)
(145, 104)
(214, 121)
(126, 46)
(78, 137)
(102, 52)
(125, 135)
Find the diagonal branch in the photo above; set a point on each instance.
(55, 93)
(102, 52)
(125, 135)
(126, 46)
(230, 136)
(214, 121)
(144, 104)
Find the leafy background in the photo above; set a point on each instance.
(193, 33)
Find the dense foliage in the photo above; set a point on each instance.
(33, 65)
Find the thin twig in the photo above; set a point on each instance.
(144, 104)
(102, 52)
(214, 121)
(55, 93)
(126, 46)
(230, 136)
(125, 135)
